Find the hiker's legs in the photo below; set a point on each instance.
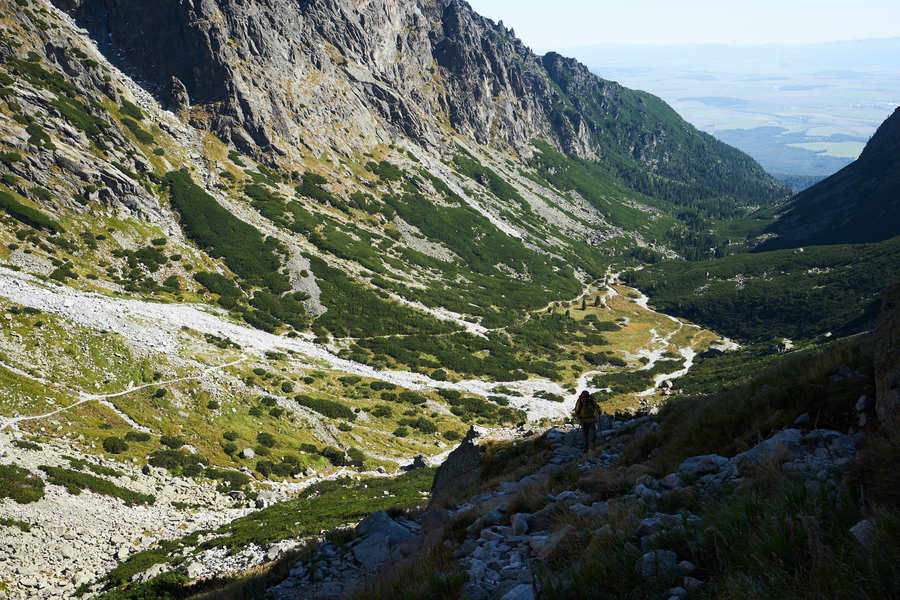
(587, 434)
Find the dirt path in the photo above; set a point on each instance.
(101, 398)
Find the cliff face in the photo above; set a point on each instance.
(275, 75)
(859, 203)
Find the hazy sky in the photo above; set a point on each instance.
(560, 24)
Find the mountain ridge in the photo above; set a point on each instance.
(858, 204)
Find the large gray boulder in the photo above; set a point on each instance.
(696, 466)
(380, 538)
(460, 473)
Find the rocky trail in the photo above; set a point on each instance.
(503, 550)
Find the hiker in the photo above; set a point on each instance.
(586, 413)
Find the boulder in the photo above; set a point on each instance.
(460, 473)
(697, 466)
(380, 537)
(559, 544)
(886, 345)
(658, 563)
(783, 444)
(520, 592)
(864, 532)
(247, 453)
(521, 523)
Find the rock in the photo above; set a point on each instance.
(559, 543)
(864, 532)
(864, 403)
(677, 592)
(460, 473)
(696, 466)
(520, 592)
(692, 583)
(176, 95)
(784, 444)
(658, 563)
(194, 570)
(802, 420)
(380, 537)
(122, 553)
(521, 523)
(672, 481)
(645, 493)
(418, 462)
(886, 345)
(247, 453)
(686, 567)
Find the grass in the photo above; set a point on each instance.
(326, 505)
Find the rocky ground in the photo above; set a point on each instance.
(502, 549)
(75, 538)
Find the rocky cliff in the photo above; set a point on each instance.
(279, 75)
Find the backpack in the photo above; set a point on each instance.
(586, 407)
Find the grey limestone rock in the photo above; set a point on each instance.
(657, 563)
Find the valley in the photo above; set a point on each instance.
(270, 270)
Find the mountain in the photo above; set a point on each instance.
(350, 74)
(253, 252)
(860, 203)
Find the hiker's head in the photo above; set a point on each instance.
(584, 394)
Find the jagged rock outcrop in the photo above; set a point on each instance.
(460, 473)
(887, 359)
(281, 75)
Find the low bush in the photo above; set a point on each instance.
(19, 484)
(115, 445)
(266, 439)
(26, 214)
(76, 481)
(329, 408)
(172, 442)
(137, 436)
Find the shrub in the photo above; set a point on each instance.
(212, 405)
(356, 457)
(139, 133)
(309, 448)
(401, 432)
(266, 439)
(334, 456)
(75, 482)
(287, 387)
(160, 393)
(344, 426)
(382, 411)
(229, 448)
(115, 445)
(132, 110)
(230, 435)
(325, 407)
(452, 435)
(26, 214)
(20, 484)
(137, 436)
(264, 467)
(412, 398)
(239, 244)
(177, 461)
(172, 442)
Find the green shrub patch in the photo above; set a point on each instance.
(20, 484)
(75, 482)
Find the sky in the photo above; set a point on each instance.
(562, 24)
